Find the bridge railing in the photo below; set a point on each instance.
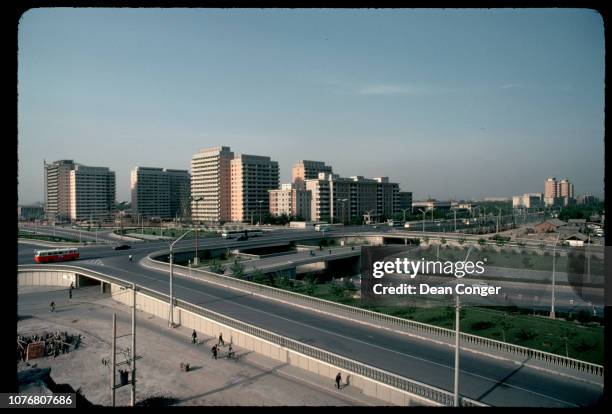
(417, 327)
(414, 387)
(420, 389)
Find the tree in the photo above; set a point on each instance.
(217, 268)
(258, 276)
(505, 323)
(237, 269)
(337, 290)
(349, 285)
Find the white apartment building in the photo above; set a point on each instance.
(339, 200)
(251, 177)
(211, 185)
(57, 189)
(92, 193)
(290, 201)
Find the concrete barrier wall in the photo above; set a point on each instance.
(249, 342)
(46, 279)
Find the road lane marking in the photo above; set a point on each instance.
(496, 382)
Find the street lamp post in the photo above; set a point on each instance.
(343, 201)
(422, 211)
(171, 310)
(552, 301)
(196, 259)
(260, 202)
(455, 213)
(404, 211)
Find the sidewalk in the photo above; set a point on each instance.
(251, 379)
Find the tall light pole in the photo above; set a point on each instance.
(196, 259)
(260, 201)
(133, 393)
(455, 212)
(423, 211)
(457, 335)
(552, 300)
(498, 218)
(404, 211)
(171, 310)
(343, 201)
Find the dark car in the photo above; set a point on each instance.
(122, 247)
(242, 238)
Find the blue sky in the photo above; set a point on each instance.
(449, 103)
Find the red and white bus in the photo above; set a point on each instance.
(56, 255)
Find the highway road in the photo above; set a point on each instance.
(492, 381)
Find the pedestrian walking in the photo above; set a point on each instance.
(329, 251)
(230, 352)
(221, 342)
(69, 293)
(194, 337)
(130, 257)
(52, 307)
(338, 379)
(214, 351)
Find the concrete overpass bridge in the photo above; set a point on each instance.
(393, 354)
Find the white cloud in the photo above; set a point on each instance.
(386, 89)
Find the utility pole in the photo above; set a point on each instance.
(457, 335)
(552, 300)
(133, 396)
(404, 211)
(113, 359)
(422, 211)
(171, 260)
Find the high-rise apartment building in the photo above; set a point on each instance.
(251, 177)
(92, 193)
(307, 170)
(57, 189)
(565, 189)
(159, 193)
(558, 193)
(211, 185)
(550, 188)
(180, 190)
(291, 201)
(338, 199)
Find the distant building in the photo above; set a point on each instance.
(549, 226)
(528, 200)
(586, 199)
(497, 199)
(338, 199)
(558, 193)
(211, 184)
(462, 206)
(307, 170)
(294, 202)
(431, 204)
(92, 193)
(405, 200)
(33, 212)
(159, 193)
(57, 189)
(251, 178)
